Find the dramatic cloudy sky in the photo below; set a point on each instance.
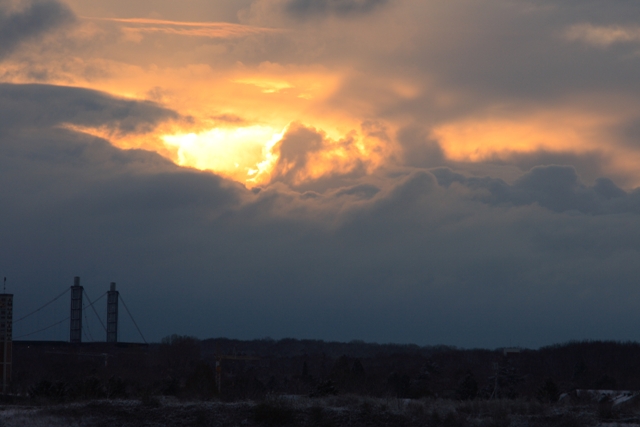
(461, 172)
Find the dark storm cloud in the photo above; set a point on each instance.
(557, 188)
(311, 8)
(75, 201)
(36, 19)
(404, 254)
(588, 165)
(102, 175)
(418, 149)
(38, 106)
(364, 191)
(175, 190)
(519, 50)
(411, 258)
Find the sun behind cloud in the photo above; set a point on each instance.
(242, 153)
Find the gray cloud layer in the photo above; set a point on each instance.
(408, 254)
(557, 188)
(309, 8)
(36, 19)
(41, 106)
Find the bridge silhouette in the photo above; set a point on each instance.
(69, 319)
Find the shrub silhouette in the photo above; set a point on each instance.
(468, 388)
(549, 392)
(273, 413)
(49, 390)
(201, 382)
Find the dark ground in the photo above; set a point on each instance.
(335, 411)
(318, 384)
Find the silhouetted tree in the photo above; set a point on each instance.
(503, 382)
(180, 353)
(399, 384)
(549, 392)
(202, 381)
(357, 370)
(468, 388)
(606, 382)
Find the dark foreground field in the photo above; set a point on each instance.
(325, 412)
(183, 381)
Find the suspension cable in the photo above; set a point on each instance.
(43, 329)
(132, 319)
(94, 309)
(38, 309)
(66, 318)
(86, 327)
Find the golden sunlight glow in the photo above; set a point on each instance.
(477, 139)
(267, 86)
(250, 154)
(243, 154)
(229, 117)
(230, 120)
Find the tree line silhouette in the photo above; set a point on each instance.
(186, 367)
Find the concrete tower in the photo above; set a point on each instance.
(112, 314)
(75, 322)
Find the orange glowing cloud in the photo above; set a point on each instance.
(306, 153)
(478, 139)
(198, 29)
(232, 119)
(569, 129)
(237, 108)
(603, 36)
(263, 99)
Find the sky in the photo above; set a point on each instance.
(461, 172)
